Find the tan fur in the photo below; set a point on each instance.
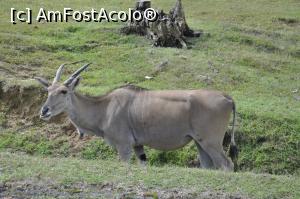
(132, 117)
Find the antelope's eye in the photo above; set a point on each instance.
(63, 92)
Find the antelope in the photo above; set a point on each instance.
(131, 117)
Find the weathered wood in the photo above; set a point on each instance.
(142, 5)
(169, 30)
(178, 15)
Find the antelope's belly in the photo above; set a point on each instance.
(164, 137)
(167, 143)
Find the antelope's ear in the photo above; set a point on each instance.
(42, 81)
(74, 83)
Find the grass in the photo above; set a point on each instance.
(66, 171)
(251, 52)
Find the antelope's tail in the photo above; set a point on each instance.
(233, 150)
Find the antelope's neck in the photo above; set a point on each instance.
(87, 113)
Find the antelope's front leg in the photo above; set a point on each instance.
(124, 156)
(80, 133)
(124, 153)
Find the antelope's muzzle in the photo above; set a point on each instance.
(45, 113)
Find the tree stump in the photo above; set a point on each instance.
(168, 30)
(142, 5)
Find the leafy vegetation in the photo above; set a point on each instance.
(251, 51)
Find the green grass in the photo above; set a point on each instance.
(251, 52)
(33, 142)
(66, 171)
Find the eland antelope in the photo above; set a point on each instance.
(131, 117)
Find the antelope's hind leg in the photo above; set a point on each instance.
(219, 159)
(205, 160)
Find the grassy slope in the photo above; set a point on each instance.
(251, 53)
(70, 170)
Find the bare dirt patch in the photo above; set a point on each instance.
(47, 188)
(288, 21)
(20, 106)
